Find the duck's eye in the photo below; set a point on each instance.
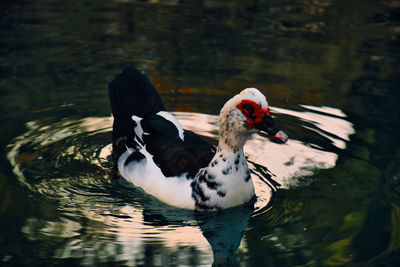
(248, 109)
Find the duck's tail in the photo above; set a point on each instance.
(131, 93)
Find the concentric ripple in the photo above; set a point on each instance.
(67, 163)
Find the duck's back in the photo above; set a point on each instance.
(148, 141)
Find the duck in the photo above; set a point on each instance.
(152, 151)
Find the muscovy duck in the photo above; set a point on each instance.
(180, 168)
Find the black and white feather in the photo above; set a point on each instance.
(180, 168)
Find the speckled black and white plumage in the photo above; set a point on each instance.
(177, 166)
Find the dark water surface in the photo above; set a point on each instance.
(330, 70)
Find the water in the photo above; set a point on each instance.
(330, 196)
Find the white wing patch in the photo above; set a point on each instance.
(168, 116)
(138, 129)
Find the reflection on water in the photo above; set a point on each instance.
(329, 123)
(74, 169)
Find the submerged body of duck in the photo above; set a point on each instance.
(177, 166)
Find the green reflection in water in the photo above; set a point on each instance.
(58, 56)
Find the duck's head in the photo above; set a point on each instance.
(245, 114)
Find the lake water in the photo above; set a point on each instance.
(330, 71)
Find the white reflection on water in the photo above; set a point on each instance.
(86, 198)
(330, 121)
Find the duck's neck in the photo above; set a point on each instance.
(229, 158)
(233, 135)
(231, 141)
(225, 146)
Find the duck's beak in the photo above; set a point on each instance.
(267, 125)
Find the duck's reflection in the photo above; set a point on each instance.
(224, 231)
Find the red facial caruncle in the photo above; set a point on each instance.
(252, 111)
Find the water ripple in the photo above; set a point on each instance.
(69, 163)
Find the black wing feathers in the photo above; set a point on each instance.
(161, 125)
(171, 154)
(131, 93)
(202, 150)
